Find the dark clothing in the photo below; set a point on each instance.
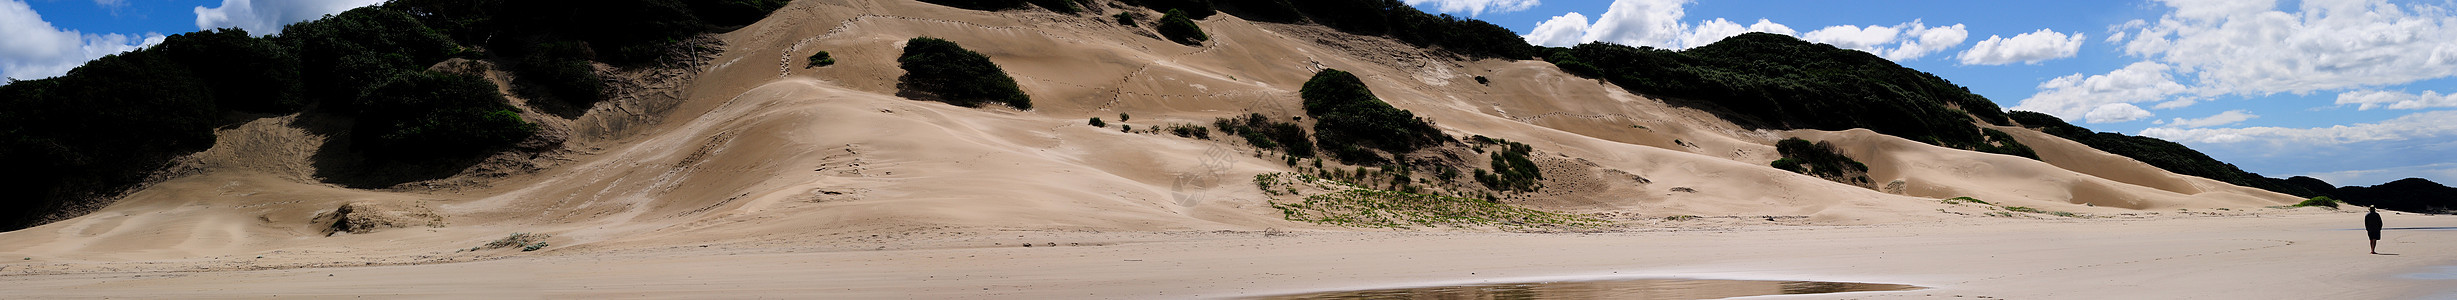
(2371, 224)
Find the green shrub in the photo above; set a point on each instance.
(1512, 171)
(1961, 200)
(950, 73)
(430, 114)
(1175, 26)
(821, 59)
(1264, 133)
(1096, 122)
(1128, 18)
(1190, 131)
(2322, 201)
(557, 72)
(1347, 115)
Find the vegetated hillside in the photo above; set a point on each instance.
(2163, 154)
(1391, 18)
(1781, 82)
(73, 142)
(2410, 194)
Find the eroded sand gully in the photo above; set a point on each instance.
(772, 179)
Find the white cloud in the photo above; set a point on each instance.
(2028, 48)
(36, 50)
(2249, 48)
(1657, 23)
(1640, 23)
(2411, 126)
(266, 17)
(1899, 42)
(2076, 95)
(1711, 31)
(2370, 99)
(2220, 119)
(2117, 113)
(1477, 7)
(1561, 31)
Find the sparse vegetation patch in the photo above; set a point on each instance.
(1822, 160)
(1346, 204)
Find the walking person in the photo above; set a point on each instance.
(2371, 224)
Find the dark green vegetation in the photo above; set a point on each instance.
(1197, 9)
(1175, 26)
(2322, 201)
(90, 134)
(1820, 159)
(1348, 119)
(2159, 153)
(1128, 18)
(1391, 18)
(1063, 6)
(2409, 195)
(1096, 122)
(1263, 133)
(1512, 171)
(1776, 81)
(821, 59)
(1190, 131)
(947, 72)
(435, 115)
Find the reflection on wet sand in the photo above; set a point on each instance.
(1610, 289)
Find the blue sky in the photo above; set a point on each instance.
(2356, 92)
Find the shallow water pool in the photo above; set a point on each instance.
(1610, 289)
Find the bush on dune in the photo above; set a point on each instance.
(1347, 115)
(958, 76)
(1178, 28)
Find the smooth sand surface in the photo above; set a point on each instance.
(2300, 255)
(822, 181)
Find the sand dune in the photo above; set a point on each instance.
(758, 153)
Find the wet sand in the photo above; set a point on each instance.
(2294, 256)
